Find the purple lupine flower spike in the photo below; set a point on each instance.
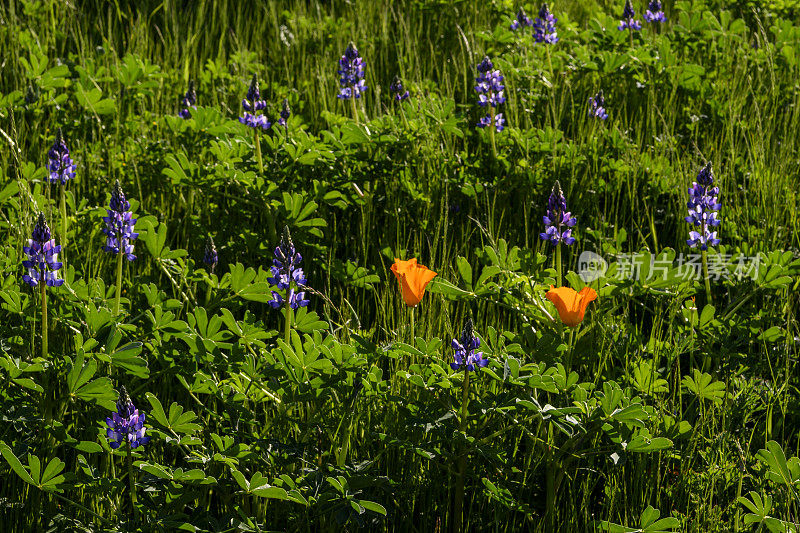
(597, 104)
(286, 112)
(398, 91)
(287, 275)
(351, 74)
(703, 210)
(558, 221)
(59, 163)
(42, 252)
(252, 104)
(465, 355)
(126, 424)
(521, 20)
(544, 28)
(628, 18)
(490, 93)
(655, 12)
(210, 255)
(119, 225)
(189, 101)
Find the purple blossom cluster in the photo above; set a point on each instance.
(210, 255)
(59, 163)
(655, 12)
(558, 221)
(703, 210)
(522, 20)
(465, 356)
(42, 252)
(126, 424)
(351, 74)
(189, 101)
(286, 112)
(628, 18)
(287, 275)
(119, 225)
(252, 104)
(490, 93)
(398, 91)
(597, 106)
(544, 28)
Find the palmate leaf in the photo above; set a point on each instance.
(781, 470)
(760, 507)
(649, 523)
(177, 421)
(99, 390)
(47, 480)
(704, 387)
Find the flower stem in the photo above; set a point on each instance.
(288, 319)
(131, 484)
(558, 263)
(118, 293)
(258, 151)
(353, 102)
(709, 298)
(458, 519)
(43, 292)
(63, 206)
(491, 131)
(413, 331)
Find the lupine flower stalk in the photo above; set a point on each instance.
(629, 20)
(655, 12)
(252, 104)
(42, 264)
(558, 224)
(704, 214)
(210, 258)
(188, 101)
(398, 91)
(467, 358)
(522, 20)
(119, 234)
(286, 112)
(544, 28)
(490, 91)
(351, 77)
(288, 277)
(597, 108)
(127, 425)
(61, 169)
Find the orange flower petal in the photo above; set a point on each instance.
(412, 278)
(570, 304)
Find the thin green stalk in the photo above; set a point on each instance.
(63, 205)
(709, 298)
(131, 484)
(43, 292)
(458, 518)
(491, 132)
(117, 295)
(558, 263)
(258, 151)
(413, 331)
(288, 320)
(353, 102)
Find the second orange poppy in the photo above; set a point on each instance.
(413, 278)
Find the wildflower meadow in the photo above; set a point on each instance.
(412, 265)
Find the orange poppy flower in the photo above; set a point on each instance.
(571, 305)
(413, 279)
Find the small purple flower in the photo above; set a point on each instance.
(119, 225)
(598, 106)
(286, 112)
(703, 209)
(189, 101)
(210, 256)
(398, 92)
(522, 20)
(465, 355)
(628, 21)
(499, 122)
(59, 163)
(126, 424)
(252, 103)
(351, 74)
(42, 252)
(287, 275)
(544, 29)
(655, 12)
(558, 218)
